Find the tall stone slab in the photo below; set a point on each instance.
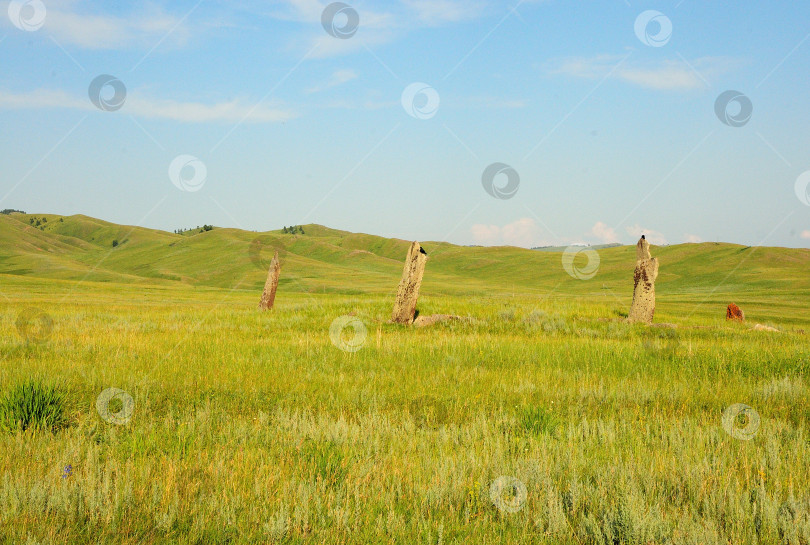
(643, 307)
(408, 291)
(270, 286)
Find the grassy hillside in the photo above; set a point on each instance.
(330, 261)
(262, 427)
(256, 427)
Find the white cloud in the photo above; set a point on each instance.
(138, 105)
(667, 77)
(301, 10)
(338, 78)
(324, 46)
(381, 24)
(375, 28)
(805, 234)
(486, 234)
(604, 233)
(436, 12)
(693, 239)
(69, 25)
(664, 75)
(523, 232)
(232, 111)
(581, 67)
(654, 237)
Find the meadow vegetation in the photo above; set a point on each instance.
(253, 427)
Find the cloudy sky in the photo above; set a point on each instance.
(473, 121)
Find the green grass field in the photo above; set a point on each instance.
(546, 418)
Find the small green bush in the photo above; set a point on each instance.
(33, 405)
(537, 420)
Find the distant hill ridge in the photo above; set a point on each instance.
(328, 260)
(563, 248)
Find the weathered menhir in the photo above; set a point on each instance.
(270, 286)
(643, 307)
(408, 291)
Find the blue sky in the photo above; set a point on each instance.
(603, 113)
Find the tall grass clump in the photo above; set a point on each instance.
(33, 405)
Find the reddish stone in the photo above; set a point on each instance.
(733, 312)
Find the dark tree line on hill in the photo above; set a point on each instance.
(198, 228)
(293, 230)
(40, 222)
(11, 211)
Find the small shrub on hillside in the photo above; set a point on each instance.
(537, 420)
(534, 316)
(787, 387)
(617, 331)
(555, 325)
(33, 405)
(507, 315)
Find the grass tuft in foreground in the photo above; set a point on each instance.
(33, 405)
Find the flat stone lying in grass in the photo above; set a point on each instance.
(408, 291)
(643, 307)
(422, 321)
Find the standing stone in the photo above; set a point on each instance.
(643, 307)
(408, 291)
(269, 293)
(733, 312)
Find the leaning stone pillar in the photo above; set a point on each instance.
(408, 291)
(270, 286)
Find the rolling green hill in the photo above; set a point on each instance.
(331, 261)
